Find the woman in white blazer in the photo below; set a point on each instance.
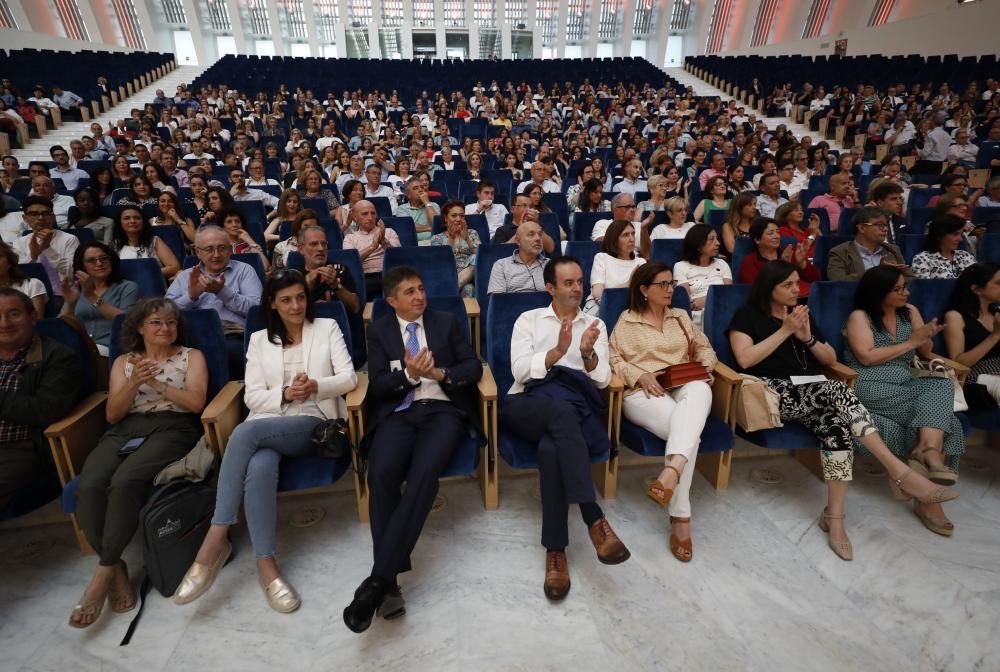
(298, 370)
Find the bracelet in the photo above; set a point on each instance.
(811, 342)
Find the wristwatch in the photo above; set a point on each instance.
(99, 302)
(590, 357)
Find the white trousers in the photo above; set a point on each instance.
(992, 384)
(678, 418)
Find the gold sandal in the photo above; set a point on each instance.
(939, 496)
(843, 549)
(941, 526)
(677, 544)
(941, 475)
(125, 599)
(660, 493)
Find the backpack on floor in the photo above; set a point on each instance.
(173, 522)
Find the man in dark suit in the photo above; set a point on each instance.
(421, 404)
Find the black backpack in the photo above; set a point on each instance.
(174, 522)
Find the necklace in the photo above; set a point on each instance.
(802, 358)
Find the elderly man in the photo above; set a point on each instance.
(835, 201)
(222, 284)
(539, 176)
(495, 213)
(963, 151)
(70, 175)
(40, 381)
(374, 187)
(934, 152)
(94, 152)
(240, 192)
(168, 159)
(632, 183)
(850, 260)
(257, 177)
(770, 198)
(716, 169)
(356, 171)
(371, 240)
(326, 281)
(522, 212)
(47, 245)
(522, 271)
(418, 207)
(622, 207)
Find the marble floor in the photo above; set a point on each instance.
(763, 592)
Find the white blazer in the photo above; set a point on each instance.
(327, 361)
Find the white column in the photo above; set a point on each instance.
(340, 33)
(531, 22)
(309, 12)
(563, 17)
(406, 30)
(374, 44)
(146, 24)
(236, 21)
(624, 45)
(276, 37)
(20, 16)
(595, 22)
(505, 41)
(473, 40)
(194, 25)
(94, 29)
(440, 38)
(666, 10)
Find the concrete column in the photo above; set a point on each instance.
(595, 20)
(236, 21)
(309, 11)
(624, 45)
(406, 30)
(276, 37)
(666, 11)
(563, 17)
(194, 25)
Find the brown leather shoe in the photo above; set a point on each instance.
(556, 575)
(610, 549)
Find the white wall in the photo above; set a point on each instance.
(25, 39)
(929, 27)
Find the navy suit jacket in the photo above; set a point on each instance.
(451, 350)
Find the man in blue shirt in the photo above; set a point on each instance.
(222, 284)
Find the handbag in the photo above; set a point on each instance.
(936, 368)
(685, 372)
(331, 439)
(758, 407)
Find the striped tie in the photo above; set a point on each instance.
(412, 348)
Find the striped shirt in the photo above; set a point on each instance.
(511, 275)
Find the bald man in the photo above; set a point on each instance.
(838, 199)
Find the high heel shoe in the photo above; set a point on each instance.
(941, 526)
(660, 493)
(199, 577)
(939, 496)
(941, 475)
(281, 596)
(677, 544)
(843, 549)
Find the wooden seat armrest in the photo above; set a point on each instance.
(72, 438)
(841, 372)
(471, 306)
(487, 385)
(356, 397)
(222, 415)
(231, 391)
(724, 391)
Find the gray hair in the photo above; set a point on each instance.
(300, 237)
(620, 199)
(206, 229)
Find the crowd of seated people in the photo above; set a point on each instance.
(341, 185)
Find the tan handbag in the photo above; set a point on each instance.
(685, 372)
(758, 407)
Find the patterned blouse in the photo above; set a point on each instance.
(934, 265)
(173, 372)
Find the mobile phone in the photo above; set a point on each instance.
(131, 445)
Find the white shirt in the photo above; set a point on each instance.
(495, 215)
(58, 255)
(963, 153)
(612, 272)
(628, 186)
(665, 232)
(537, 331)
(548, 187)
(71, 177)
(326, 141)
(700, 278)
(936, 145)
(767, 206)
(11, 227)
(428, 388)
(61, 203)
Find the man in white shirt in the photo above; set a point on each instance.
(963, 151)
(197, 152)
(539, 176)
(935, 149)
(52, 248)
(46, 188)
(328, 139)
(356, 172)
(257, 177)
(622, 207)
(374, 187)
(632, 182)
(900, 136)
(69, 174)
(68, 102)
(561, 348)
(484, 205)
(240, 192)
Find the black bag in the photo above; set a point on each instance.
(174, 522)
(332, 439)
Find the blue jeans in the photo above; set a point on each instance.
(250, 467)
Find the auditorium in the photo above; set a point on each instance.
(527, 335)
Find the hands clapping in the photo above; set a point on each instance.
(301, 389)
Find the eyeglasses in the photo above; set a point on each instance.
(664, 285)
(883, 225)
(158, 324)
(37, 214)
(903, 289)
(103, 259)
(214, 249)
(630, 206)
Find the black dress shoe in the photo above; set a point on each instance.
(367, 599)
(393, 606)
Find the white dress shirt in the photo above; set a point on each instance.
(495, 215)
(537, 331)
(428, 387)
(58, 256)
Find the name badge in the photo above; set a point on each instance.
(395, 365)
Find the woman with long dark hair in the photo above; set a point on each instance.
(97, 292)
(614, 264)
(700, 267)
(915, 415)
(298, 369)
(132, 238)
(774, 338)
(972, 332)
(941, 257)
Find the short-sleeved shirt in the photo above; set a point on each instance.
(791, 358)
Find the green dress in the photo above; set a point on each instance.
(901, 404)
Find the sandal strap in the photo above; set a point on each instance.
(675, 519)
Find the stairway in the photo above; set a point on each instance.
(38, 148)
(703, 88)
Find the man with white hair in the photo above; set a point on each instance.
(622, 207)
(44, 186)
(539, 176)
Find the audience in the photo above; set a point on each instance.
(522, 270)
(740, 215)
(298, 369)
(13, 277)
(521, 213)
(774, 338)
(850, 260)
(219, 283)
(700, 267)
(770, 198)
(559, 359)
(157, 392)
(495, 213)
(835, 201)
(767, 243)
(326, 281)
(419, 208)
(915, 414)
(715, 196)
(97, 292)
(614, 264)
(464, 243)
(649, 338)
(133, 238)
(941, 257)
(234, 224)
(790, 218)
(47, 245)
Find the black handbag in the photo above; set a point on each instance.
(332, 439)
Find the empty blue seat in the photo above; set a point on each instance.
(146, 274)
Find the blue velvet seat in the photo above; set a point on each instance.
(716, 439)
(821, 250)
(405, 229)
(518, 453)
(668, 251)
(583, 223)
(486, 257)
(744, 246)
(436, 265)
(146, 274)
(172, 236)
(584, 251)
